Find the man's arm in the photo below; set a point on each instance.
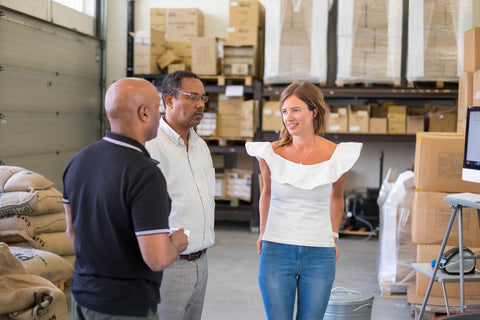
(160, 250)
(70, 232)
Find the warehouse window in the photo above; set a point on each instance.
(85, 6)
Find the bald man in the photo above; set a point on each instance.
(117, 210)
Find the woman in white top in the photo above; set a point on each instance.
(301, 206)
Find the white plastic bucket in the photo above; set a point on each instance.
(349, 304)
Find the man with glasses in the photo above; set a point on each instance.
(185, 160)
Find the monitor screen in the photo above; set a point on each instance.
(471, 157)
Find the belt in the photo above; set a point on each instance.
(193, 256)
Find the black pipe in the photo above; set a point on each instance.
(130, 29)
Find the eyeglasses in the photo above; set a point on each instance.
(192, 96)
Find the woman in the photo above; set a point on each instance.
(301, 206)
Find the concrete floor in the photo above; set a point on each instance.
(233, 292)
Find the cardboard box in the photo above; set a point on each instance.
(243, 35)
(430, 217)
(471, 52)
(428, 253)
(240, 61)
(228, 126)
(378, 125)
(208, 126)
(465, 94)
(168, 58)
(182, 49)
(172, 67)
(358, 118)
(397, 119)
(229, 105)
(250, 13)
(271, 116)
(220, 185)
(476, 88)
(439, 163)
(239, 184)
(206, 55)
(441, 118)
(248, 118)
(148, 46)
(338, 120)
(415, 123)
(158, 19)
(182, 25)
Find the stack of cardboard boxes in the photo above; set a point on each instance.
(469, 82)
(167, 47)
(438, 172)
(369, 39)
(243, 51)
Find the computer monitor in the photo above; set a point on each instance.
(471, 157)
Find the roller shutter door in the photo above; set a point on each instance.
(50, 94)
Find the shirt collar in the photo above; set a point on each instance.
(126, 142)
(172, 134)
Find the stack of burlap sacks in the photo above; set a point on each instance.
(32, 231)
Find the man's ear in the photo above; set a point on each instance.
(168, 100)
(143, 113)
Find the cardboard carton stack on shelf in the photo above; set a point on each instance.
(233, 179)
(296, 41)
(244, 49)
(436, 53)
(438, 172)
(167, 46)
(469, 81)
(369, 41)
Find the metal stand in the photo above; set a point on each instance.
(457, 202)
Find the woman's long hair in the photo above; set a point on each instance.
(313, 98)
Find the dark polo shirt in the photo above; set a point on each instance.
(116, 192)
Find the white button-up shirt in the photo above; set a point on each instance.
(190, 183)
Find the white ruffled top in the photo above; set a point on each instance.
(299, 212)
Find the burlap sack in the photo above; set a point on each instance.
(32, 225)
(25, 296)
(6, 172)
(70, 258)
(45, 264)
(8, 263)
(28, 181)
(31, 203)
(56, 242)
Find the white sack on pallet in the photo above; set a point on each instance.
(396, 249)
(25, 180)
(296, 41)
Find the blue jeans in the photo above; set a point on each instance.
(286, 270)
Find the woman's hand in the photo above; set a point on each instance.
(259, 243)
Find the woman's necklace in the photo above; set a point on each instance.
(296, 153)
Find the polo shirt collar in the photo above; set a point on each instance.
(173, 135)
(125, 142)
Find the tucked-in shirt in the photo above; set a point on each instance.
(190, 183)
(299, 212)
(116, 192)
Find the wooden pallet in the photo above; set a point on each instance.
(432, 84)
(342, 84)
(436, 305)
(227, 141)
(228, 80)
(359, 232)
